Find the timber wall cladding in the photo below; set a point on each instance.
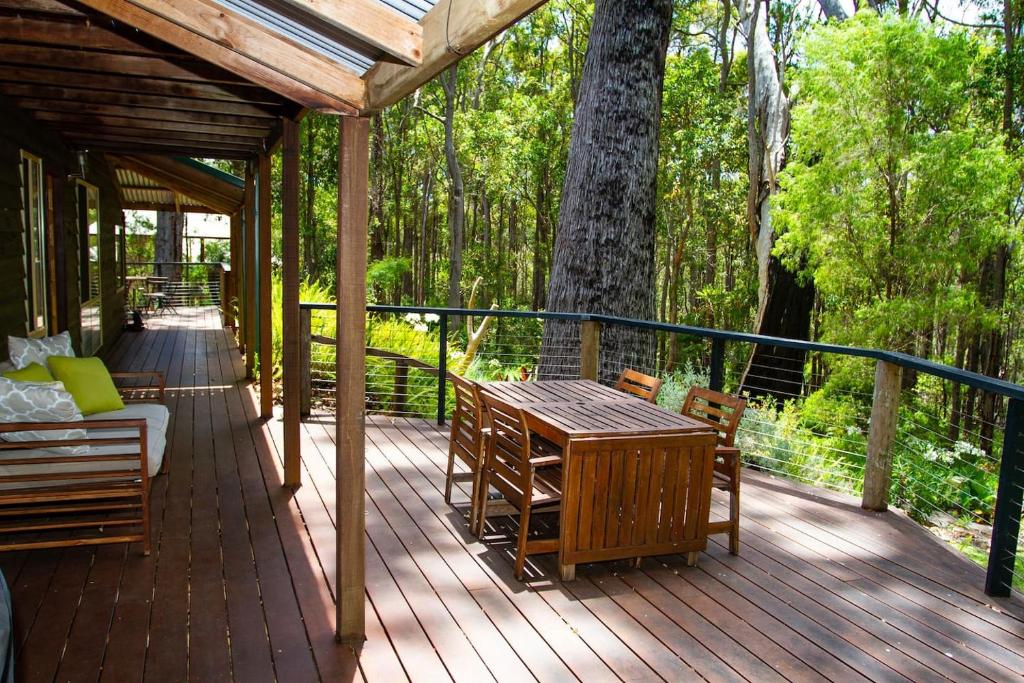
(20, 133)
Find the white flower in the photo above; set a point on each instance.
(431, 317)
(412, 318)
(420, 327)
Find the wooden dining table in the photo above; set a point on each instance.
(638, 498)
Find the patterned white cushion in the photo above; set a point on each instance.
(40, 402)
(23, 351)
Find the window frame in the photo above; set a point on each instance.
(34, 239)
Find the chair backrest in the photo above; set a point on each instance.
(466, 439)
(628, 496)
(508, 448)
(721, 411)
(638, 384)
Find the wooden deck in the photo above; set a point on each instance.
(239, 583)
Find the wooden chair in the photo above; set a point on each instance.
(466, 442)
(638, 384)
(634, 497)
(723, 412)
(523, 468)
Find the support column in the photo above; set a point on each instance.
(250, 271)
(353, 216)
(885, 408)
(1002, 554)
(290, 300)
(266, 327)
(590, 349)
(231, 298)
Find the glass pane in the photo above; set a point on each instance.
(35, 243)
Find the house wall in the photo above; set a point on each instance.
(20, 133)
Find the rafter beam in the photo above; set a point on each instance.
(224, 123)
(365, 24)
(244, 47)
(170, 128)
(451, 29)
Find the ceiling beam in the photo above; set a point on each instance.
(169, 127)
(245, 93)
(363, 23)
(173, 150)
(81, 33)
(148, 144)
(451, 29)
(233, 42)
(179, 178)
(226, 123)
(80, 99)
(147, 66)
(157, 206)
(81, 131)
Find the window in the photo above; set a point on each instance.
(89, 267)
(34, 222)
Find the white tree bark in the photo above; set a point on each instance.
(768, 132)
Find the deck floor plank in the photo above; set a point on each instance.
(239, 584)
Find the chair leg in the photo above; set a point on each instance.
(691, 559)
(448, 478)
(524, 533)
(474, 498)
(481, 512)
(734, 517)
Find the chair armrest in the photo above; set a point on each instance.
(546, 461)
(127, 391)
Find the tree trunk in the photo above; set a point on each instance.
(167, 244)
(603, 260)
(457, 203)
(784, 301)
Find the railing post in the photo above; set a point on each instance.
(1002, 553)
(884, 421)
(717, 379)
(305, 361)
(590, 349)
(442, 370)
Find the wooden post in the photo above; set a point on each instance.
(250, 271)
(716, 380)
(236, 266)
(290, 300)
(305, 361)
(590, 349)
(266, 326)
(1002, 554)
(353, 217)
(884, 421)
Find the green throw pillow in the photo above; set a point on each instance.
(33, 372)
(89, 383)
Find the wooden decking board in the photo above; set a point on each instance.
(572, 650)
(891, 631)
(957, 625)
(251, 657)
(919, 640)
(309, 590)
(237, 587)
(599, 638)
(447, 531)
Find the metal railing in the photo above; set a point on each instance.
(934, 476)
(170, 285)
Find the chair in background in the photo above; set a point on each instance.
(723, 412)
(638, 384)
(526, 470)
(466, 442)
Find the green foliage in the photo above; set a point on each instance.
(898, 187)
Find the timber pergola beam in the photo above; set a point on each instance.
(451, 30)
(242, 46)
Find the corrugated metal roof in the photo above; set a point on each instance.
(282, 17)
(137, 189)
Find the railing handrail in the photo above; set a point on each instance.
(905, 360)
